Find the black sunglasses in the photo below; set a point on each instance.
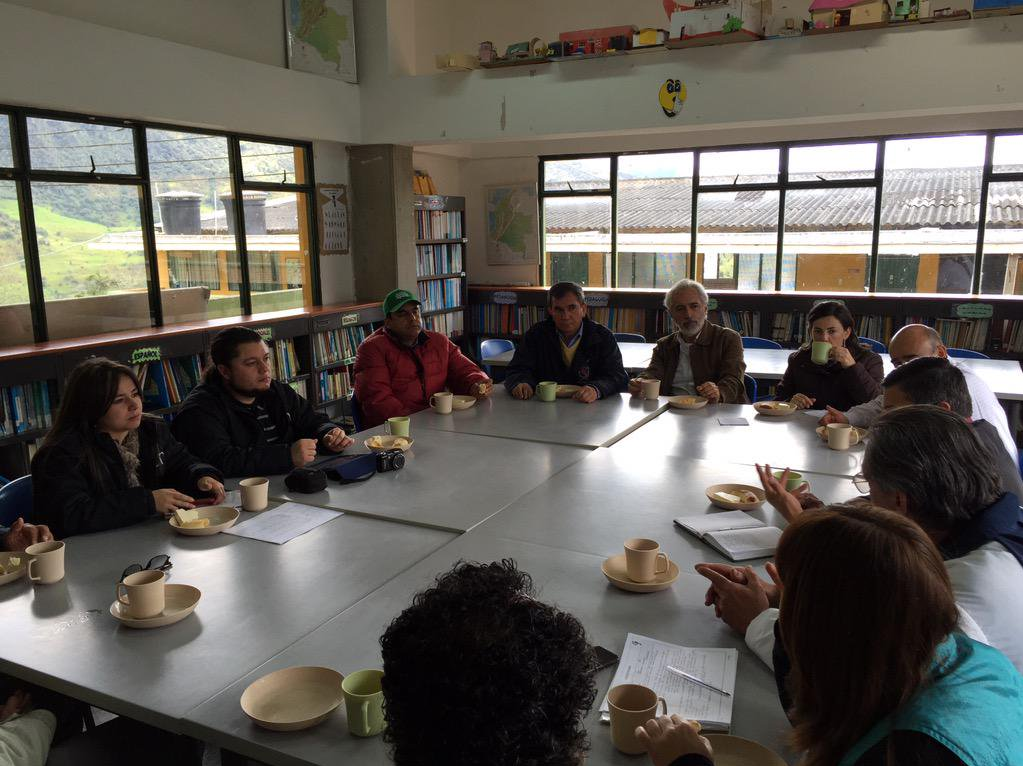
(161, 563)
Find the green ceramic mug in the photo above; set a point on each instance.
(820, 352)
(364, 702)
(794, 481)
(398, 426)
(546, 390)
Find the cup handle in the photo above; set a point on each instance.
(432, 398)
(33, 579)
(365, 718)
(664, 706)
(117, 592)
(662, 556)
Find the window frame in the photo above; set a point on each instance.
(784, 185)
(23, 175)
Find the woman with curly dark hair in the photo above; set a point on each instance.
(478, 672)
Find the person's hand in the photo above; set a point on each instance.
(209, 484)
(169, 500)
(785, 502)
(22, 535)
(586, 394)
(336, 440)
(635, 386)
(16, 703)
(802, 401)
(522, 391)
(735, 574)
(843, 356)
(710, 392)
(303, 451)
(483, 389)
(832, 416)
(737, 603)
(670, 737)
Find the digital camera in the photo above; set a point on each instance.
(390, 460)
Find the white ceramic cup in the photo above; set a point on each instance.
(839, 435)
(441, 402)
(143, 593)
(46, 562)
(631, 705)
(255, 492)
(642, 557)
(651, 388)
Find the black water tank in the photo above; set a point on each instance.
(254, 207)
(179, 211)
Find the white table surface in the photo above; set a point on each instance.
(783, 442)
(451, 481)
(569, 579)
(257, 598)
(563, 421)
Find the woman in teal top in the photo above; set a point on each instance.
(880, 675)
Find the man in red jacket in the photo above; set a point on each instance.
(400, 366)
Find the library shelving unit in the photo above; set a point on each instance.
(440, 262)
(170, 360)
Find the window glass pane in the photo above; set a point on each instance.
(577, 240)
(1008, 156)
(929, 212)
(737, 239)
(80, 147)
(577, 175)
(90, 254)
(15, 315)
(277, 240)
(828, 236)
(272, 163)
(747, 166)
(195, 244)
(654, 211)
(1003, 240)
(832, 163)
(6, 152)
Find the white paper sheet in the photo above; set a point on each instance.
(644, 661)
(723, 421)
(285, 522)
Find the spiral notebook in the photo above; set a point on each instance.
(645, 661)
(735, 534)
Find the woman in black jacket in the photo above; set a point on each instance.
(105, 465)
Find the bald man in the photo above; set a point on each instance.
(912, 342)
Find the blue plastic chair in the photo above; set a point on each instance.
(16, 500)
(749, 341)
(629, 337)
(874, 345)
(492, 347)
(965, 353)
(356, 413)
(751, 387)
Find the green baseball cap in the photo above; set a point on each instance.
(396, 299)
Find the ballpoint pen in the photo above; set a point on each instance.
(696, 680)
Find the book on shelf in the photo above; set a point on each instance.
(334, 346)
(166, 383)
(432, 260)
(745, 323)
(448, 324)
(789, 327)
(438, 224)
(27, 407)
(334, 384)
(440, 294)
(619, 319)
(284, 359)
(876, 327)
(299, 387)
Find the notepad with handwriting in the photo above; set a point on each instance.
(735, 534)
(645, 661)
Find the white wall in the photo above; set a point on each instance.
(337, 279)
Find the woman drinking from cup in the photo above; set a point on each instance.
(105, 465)
(879, 673)
(832, 369)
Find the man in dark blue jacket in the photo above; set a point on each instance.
(567, 348)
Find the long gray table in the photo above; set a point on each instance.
(563, 421)
(569, 579)
(782, 442)
(612, 495)
(451, 481)
(257, 598)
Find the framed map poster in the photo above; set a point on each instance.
(511, 224)
(332, 212)
(321, 37)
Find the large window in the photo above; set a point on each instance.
(131, 225)
(895, 214)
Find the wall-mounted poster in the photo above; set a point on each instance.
(332, 207)
(511, 224)
(321, 37)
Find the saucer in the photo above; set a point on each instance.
(293, 698)
(736, 751)
(565, 391)
(857, 435)
(614, 570)
(13, 574)
(387, 442)
(774, 409)
(221, 517)
(687, 402)
(462, 402)
(734, 489)
(180, 602)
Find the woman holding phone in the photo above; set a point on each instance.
(832, 369)
(104, 464)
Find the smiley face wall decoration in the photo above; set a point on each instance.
(671, 97)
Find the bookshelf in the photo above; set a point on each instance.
(440, 263)
(334, 339)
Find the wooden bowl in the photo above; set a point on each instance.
(462, 402)
(387, 442)
(775, 409)
(221, 517)
(687, 402)
(293, 698)
(734, 489)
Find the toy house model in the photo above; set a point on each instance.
(716, 17)
(848, 13)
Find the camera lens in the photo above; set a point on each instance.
(398, 461)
